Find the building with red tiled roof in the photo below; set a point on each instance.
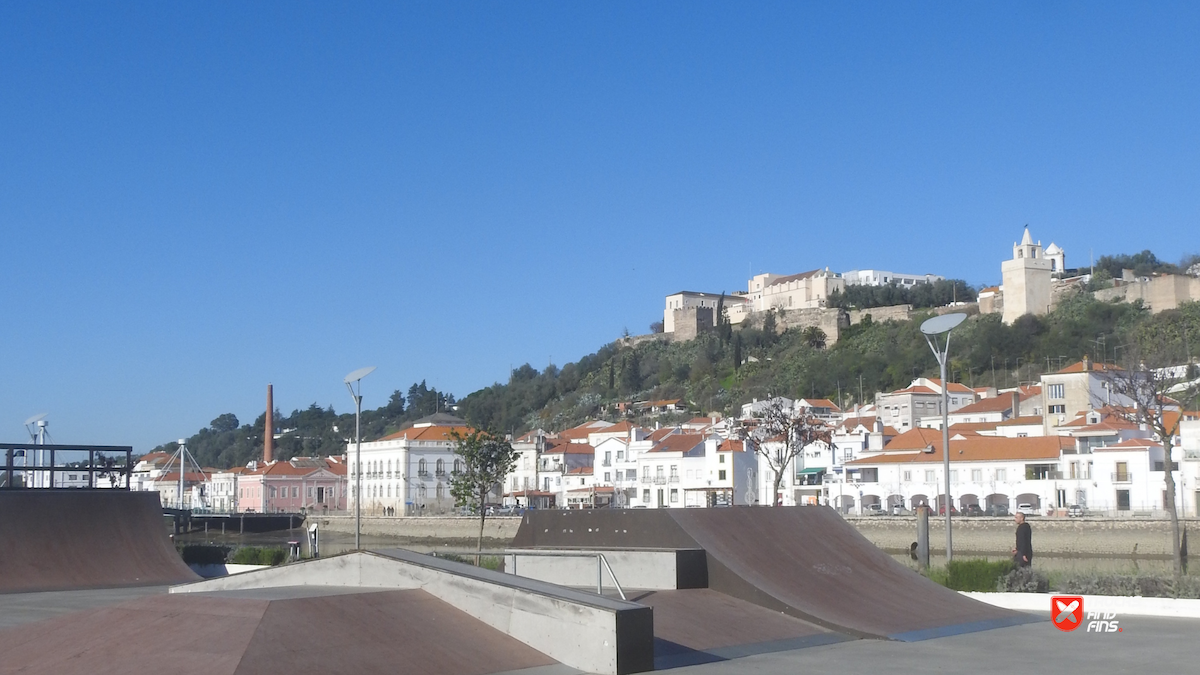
(298, 485)
(921, 400)
(1077, 389)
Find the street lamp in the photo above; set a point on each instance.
(932, 328)
(351, 380)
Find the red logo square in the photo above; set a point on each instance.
(1066, 611)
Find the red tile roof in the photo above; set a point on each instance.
(1129, 445)
(980, 449)
(432, 433)
(1077, 367)
(678, 443)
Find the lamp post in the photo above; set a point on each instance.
(351, 380)
(942, 325)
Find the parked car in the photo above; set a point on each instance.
(942, 510)
(1076, 511)
(874, 510)
(899, 510)
(973, 510)
(1027, 509)
(998, 510)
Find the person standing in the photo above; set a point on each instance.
(1023, 553)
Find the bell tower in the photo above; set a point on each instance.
(1026, 280)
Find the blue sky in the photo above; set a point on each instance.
(200, 198)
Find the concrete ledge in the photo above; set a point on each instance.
(582, 630)
(1182, 608)
(224, 569)
(643, 569)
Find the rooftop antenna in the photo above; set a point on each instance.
(36, 426)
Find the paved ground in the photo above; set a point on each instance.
(1170, 645)
(19, 608)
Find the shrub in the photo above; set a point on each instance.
(976, 575)
(198, 554)
(259, 555)
(489, 562)
(1023, 580)
(1117, 584)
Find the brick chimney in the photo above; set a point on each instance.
(269, 431)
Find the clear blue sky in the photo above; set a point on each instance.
(200, 198)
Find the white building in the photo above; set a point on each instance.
(682, 470)
(1027, 279)
(409, 470)
(883, 278)
(905, 408)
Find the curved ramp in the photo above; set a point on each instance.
(55, 540)
(806, 562)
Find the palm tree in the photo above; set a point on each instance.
(814, 337)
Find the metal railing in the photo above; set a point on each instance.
(49, 467)
(601, 565)
(1118, 477)
(660, 480)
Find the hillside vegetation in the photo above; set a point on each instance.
(719, 371)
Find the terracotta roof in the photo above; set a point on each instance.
(995, 404)
(579, 471)
(434, 433)
(576, 449)
(980, 449)
(1028, 420)
(1077, 367)
(1132, 444)
(868, 421)
(914, 439)
(919, 389)
(678, 443)
(584, 429)
(659, 434)
(989, 289)
(794, 277)
(732, 446)
(953, 386)
(821, 403)
(972, 427)
(618, 428)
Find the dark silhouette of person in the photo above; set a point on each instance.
(1023, 553)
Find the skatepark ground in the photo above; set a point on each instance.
(1166, 645)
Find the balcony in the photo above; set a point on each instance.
(423, 473)
(646, 480)
(674, 479)
(1119, 477)
(660, 480)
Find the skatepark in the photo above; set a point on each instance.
(690, 590)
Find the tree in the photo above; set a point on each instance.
(781, 435)
(814, 337)
(487, 459)
(737, 351)
(656, 327)
(224, 423)
(1147, 390)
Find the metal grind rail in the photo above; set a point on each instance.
(601, 563)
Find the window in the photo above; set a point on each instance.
(422, 468)
(1001, 474)
(310, 492)
(674, 495)
(1056, 391)
(439, 490)
(389, 490)
(458, 466)
(721, 459)
(1058, 409)
(272, 493)
(607, 476)
(929, 476)
(976, 475)
(620, 455)
(907, 476)
(440, 467)
(295, 491)
(646, 495)
(721, 474)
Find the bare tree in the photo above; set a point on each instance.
(781, 435)
(1149, 390)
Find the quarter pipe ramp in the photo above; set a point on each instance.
(806, 562)
(53, 540)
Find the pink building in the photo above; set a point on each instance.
(311, 484)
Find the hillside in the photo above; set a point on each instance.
(721, 370)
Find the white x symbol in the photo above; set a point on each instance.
(1066, 612)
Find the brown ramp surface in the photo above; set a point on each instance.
(809, 562)
(803, 561)
(288, 630)
(73, 539)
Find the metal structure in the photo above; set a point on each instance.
(351, 380)
(183, 454)
(35, 466)
(932, 328)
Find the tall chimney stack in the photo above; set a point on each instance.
(269, 431)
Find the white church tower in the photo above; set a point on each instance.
(1027, 279)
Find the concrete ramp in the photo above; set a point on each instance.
(806, 562)
(55, 540)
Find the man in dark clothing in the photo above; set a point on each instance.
(1023, 553)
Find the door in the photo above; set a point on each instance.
(1122, 500)
(660, 498)
(320, 495)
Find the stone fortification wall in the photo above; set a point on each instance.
(692, 321)
(832, 321)
(877, 314)
(1167, 291)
